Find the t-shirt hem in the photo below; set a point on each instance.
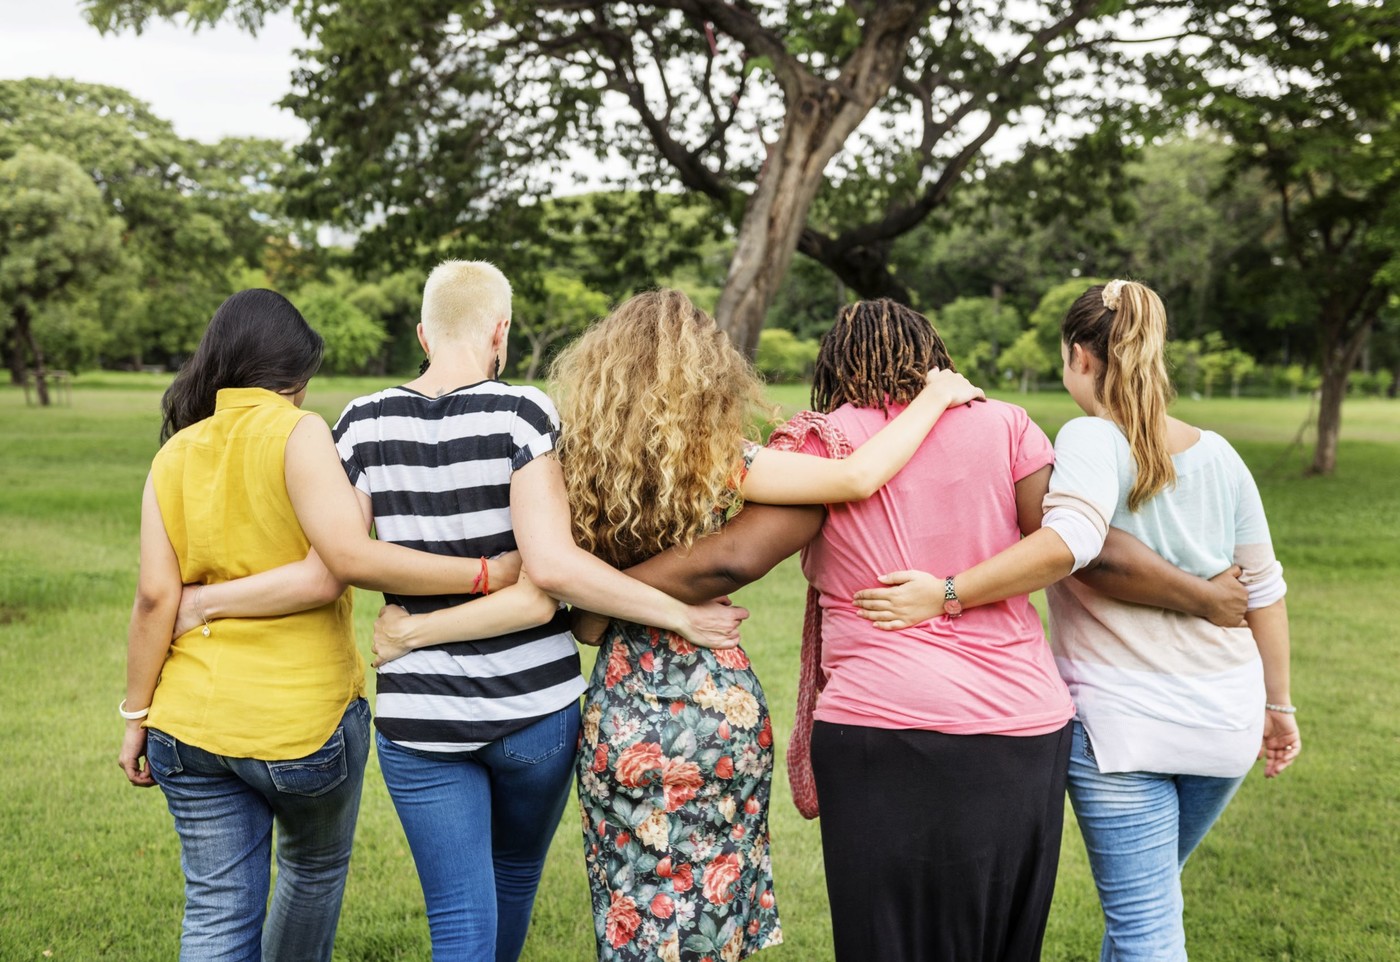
(1021, 726)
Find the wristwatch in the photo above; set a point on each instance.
(952, 607)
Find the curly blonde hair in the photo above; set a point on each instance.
(655, 404)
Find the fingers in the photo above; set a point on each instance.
(895, 578)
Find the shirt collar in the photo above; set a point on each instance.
(247, 397)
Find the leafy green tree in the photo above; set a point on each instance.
(1028, 359)
(1305, 91)
(567, 307)
(191, 212)
(56, 238)
(440, 117)
(785, 357)
(353, 339)
(977, 330)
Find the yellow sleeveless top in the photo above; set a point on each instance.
(268, 688)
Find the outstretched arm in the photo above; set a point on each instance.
(1131, 571)
(783, 477)
(513, 608)
(330, 514)
(1126, 569)
(543, 530)
(294, 587)
(744, 550)
(1038, 559)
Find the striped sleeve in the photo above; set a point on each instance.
(536, 428)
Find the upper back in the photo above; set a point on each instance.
(222, 489)
(438, 470)
(954, 503)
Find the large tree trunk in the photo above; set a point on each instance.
(821, 116)
(773, 222)
(26, 331)
(15, 357)
(1339, 355)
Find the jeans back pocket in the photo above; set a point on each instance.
(162, 754)
(543, 739)
(315, 774)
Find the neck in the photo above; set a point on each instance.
(456, 365)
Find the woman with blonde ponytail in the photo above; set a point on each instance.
(1171, 709)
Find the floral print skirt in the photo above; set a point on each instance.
(675, 774)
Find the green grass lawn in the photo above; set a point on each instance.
(1300, 868)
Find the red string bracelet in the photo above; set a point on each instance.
(482, 584)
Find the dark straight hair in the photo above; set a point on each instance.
(255, 339)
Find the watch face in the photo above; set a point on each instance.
(952, 608)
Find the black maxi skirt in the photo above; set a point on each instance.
(939, 848)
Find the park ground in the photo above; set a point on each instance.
(1301, 868)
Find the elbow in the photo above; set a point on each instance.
(328, 588)
(551, 580)
(153, 601)
(541, 609)
(863, 485)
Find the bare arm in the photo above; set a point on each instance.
(784, 477)
(148, 636)
(295, 587)
(540, 512)
(1131, 571)
(1282, 741)
(330, 513)
(513, 608)
(744, 550)
(1039, 559)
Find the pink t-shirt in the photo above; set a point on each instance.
(953, 505)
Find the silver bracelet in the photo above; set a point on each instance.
(1282, 709)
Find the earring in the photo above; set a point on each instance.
(500, 363)
(423, 368)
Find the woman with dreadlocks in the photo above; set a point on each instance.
(1172, 711)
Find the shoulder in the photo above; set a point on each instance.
(530, 404)
(367, 406)
(1089, 431)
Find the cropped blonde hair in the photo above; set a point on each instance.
(1124, 325)
(654, 402)
(462, 299)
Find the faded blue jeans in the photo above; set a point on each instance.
(224, 809)
(1139, 829)
(479, 825)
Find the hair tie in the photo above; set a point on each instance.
(1112, 293)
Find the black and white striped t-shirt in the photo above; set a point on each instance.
(437, 471)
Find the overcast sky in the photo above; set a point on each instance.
(211, 84)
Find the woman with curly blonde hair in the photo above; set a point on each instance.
(677, 754)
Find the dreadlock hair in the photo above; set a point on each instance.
(877, 353)
(1124, 325)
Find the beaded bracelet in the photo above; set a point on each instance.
(1282, 709)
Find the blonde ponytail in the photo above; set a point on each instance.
(1136, 389)
(1125, 325)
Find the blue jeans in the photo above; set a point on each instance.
(1139, 829)
(224, 809)
(479, 825)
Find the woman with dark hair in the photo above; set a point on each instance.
(254, 721)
